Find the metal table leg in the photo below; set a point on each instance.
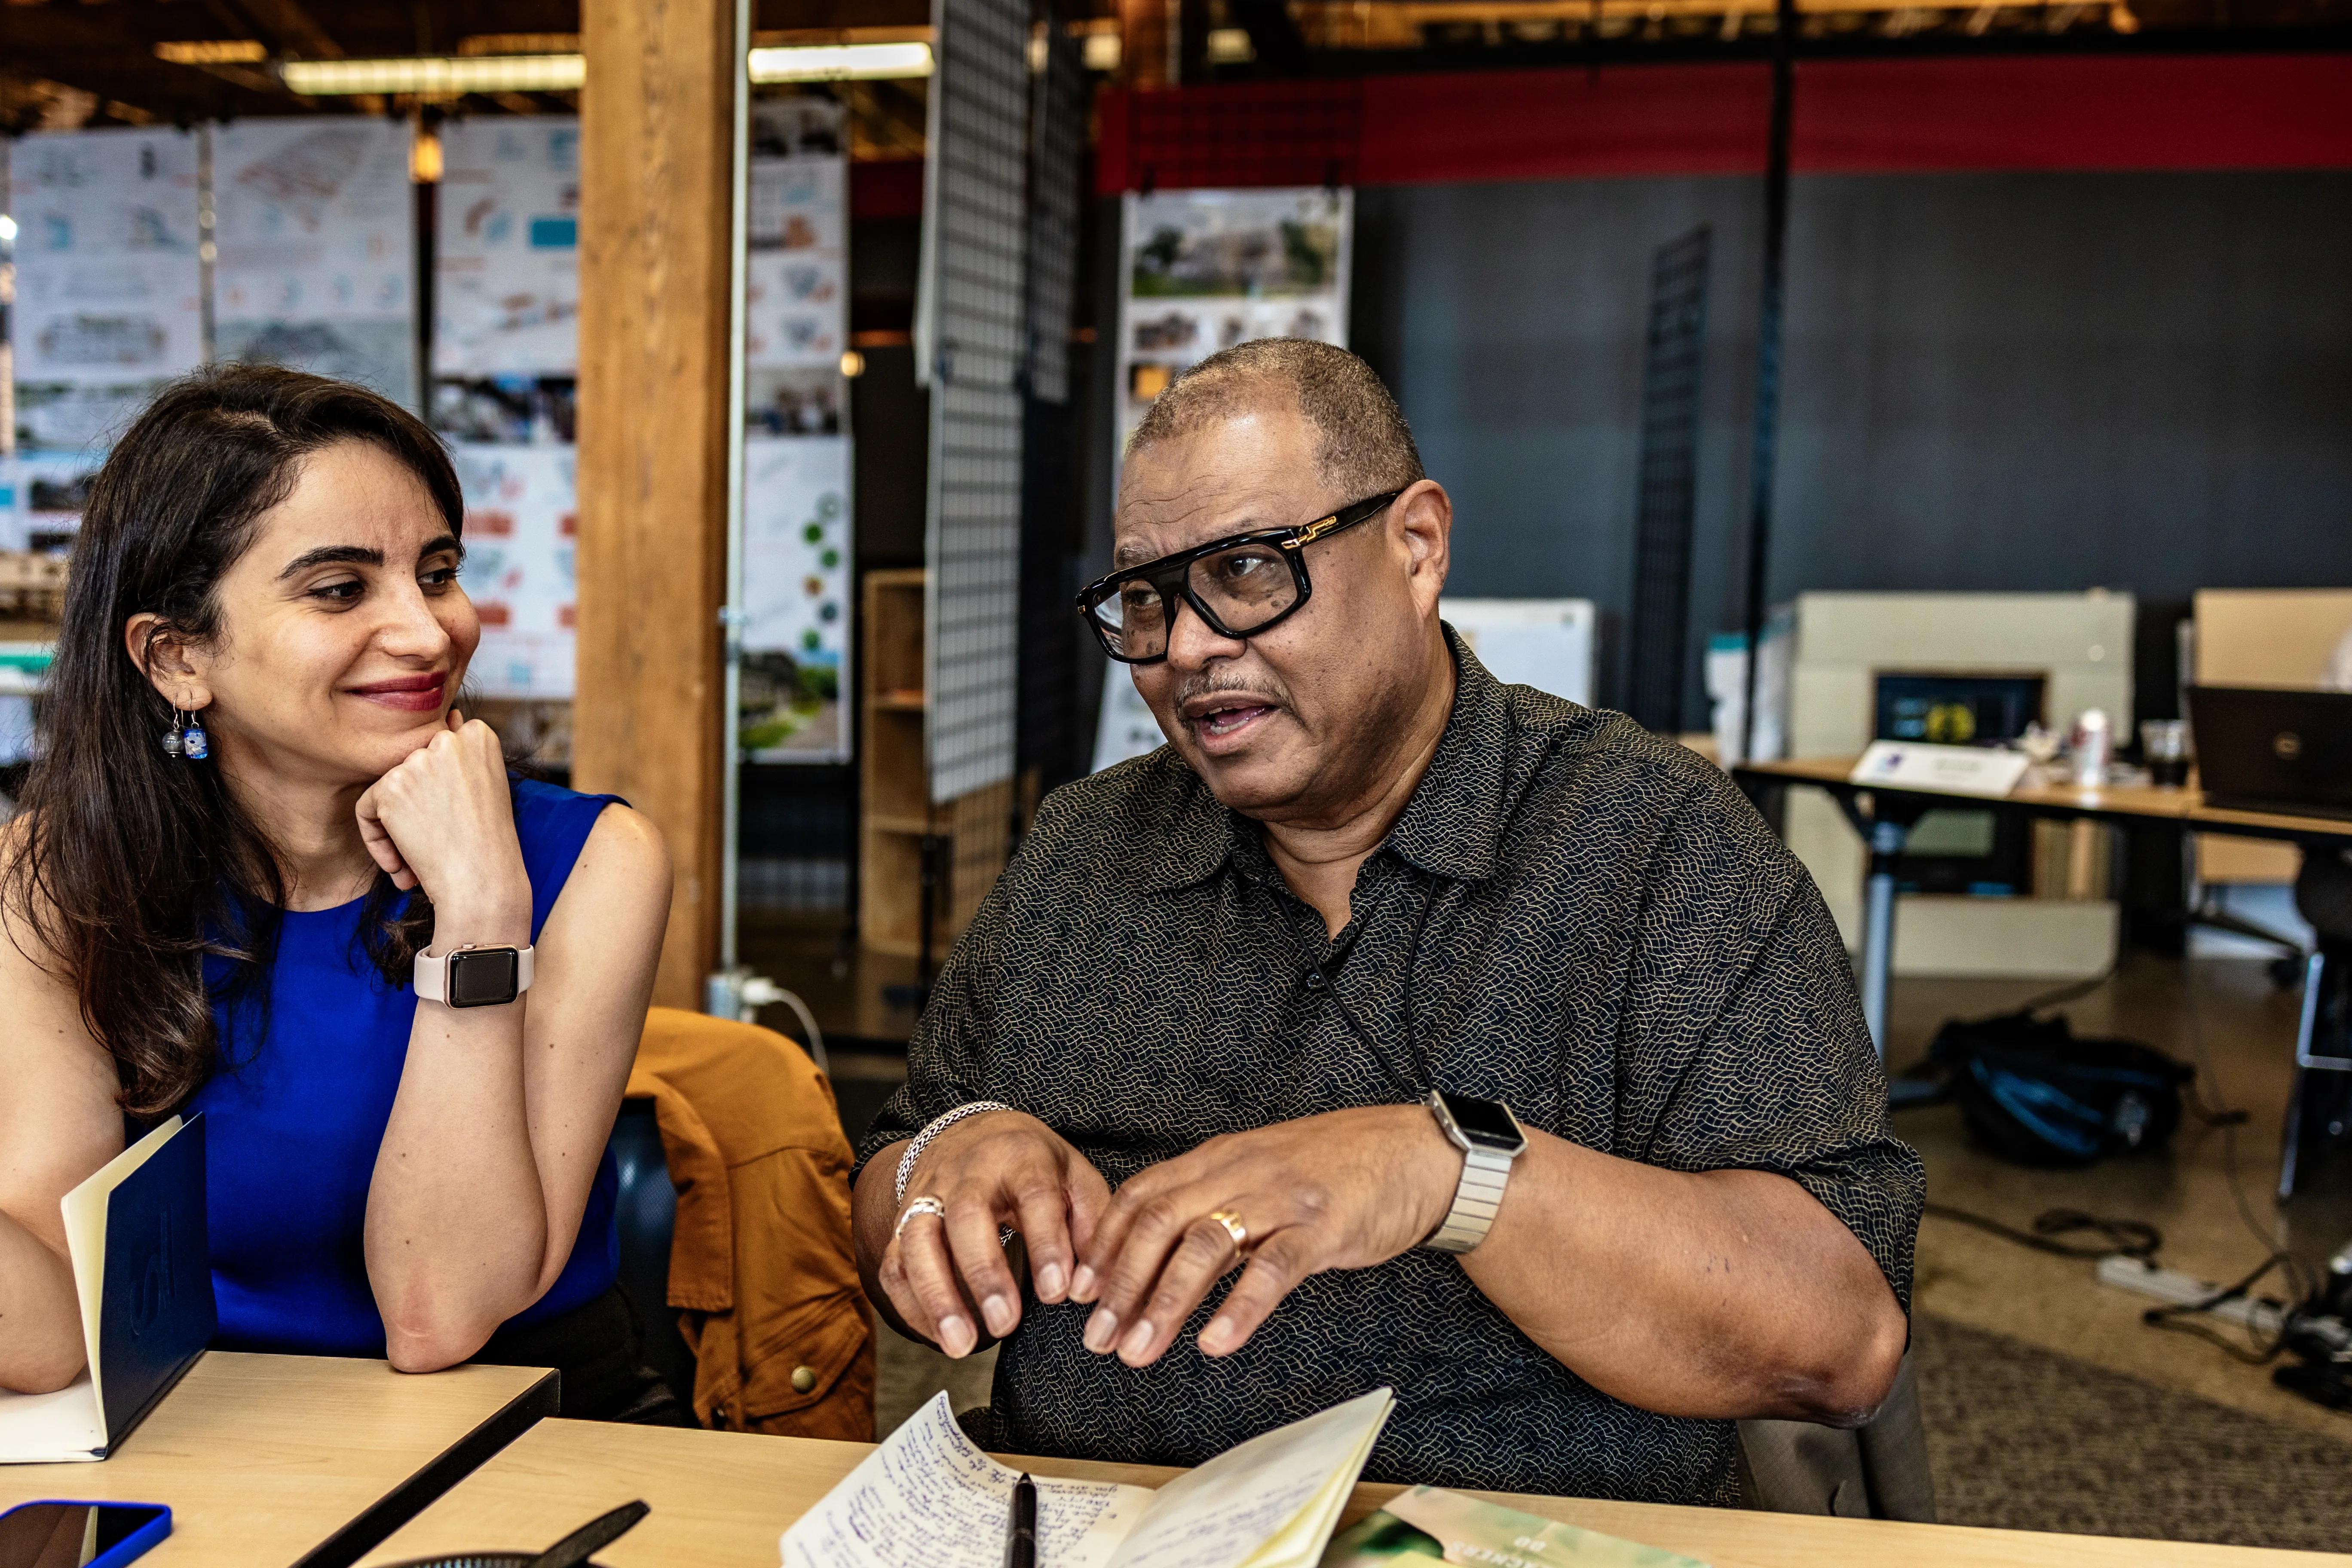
(1886, 840)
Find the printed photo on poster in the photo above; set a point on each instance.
(1203, 271)
(315, 224)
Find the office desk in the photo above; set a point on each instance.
(1885, 814)
(720, 1500)
(269, 1460)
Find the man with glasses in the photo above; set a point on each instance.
(1389, 1026)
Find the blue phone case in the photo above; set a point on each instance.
(135, 1544)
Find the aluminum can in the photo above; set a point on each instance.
(2095, 747)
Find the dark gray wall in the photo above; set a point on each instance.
(1992, 382)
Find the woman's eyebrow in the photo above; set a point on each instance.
(332, 555)
(447, 544)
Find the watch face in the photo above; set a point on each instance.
(483, 977)
(1485, 1121)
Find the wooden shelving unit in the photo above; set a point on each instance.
(968, 835)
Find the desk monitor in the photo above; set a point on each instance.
(2286, 752)
(1961, 851)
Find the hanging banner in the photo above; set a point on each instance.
(506, 295)
(521, 534)
(108, 286)
(315, 225)
(1200, 271)
(799, 553)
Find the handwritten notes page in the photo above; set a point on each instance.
(928, 1496)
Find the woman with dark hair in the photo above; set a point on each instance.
(258, 831)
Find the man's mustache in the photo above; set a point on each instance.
(1209, 684)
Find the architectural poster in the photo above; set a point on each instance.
(798, 564)
(799, 553)
(108, 286)
(506, 298)
(521, 531)
(315, 224)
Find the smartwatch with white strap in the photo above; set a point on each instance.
(1490, 1138)
(470, 976)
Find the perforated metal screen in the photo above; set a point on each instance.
(1058, 136)
(970, 344)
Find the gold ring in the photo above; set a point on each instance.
(924, 1205)
(1233, 1227)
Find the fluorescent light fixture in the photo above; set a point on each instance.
(447, 76)
(441, 76)
(214, 52)
(1231, 47)
(841, 62)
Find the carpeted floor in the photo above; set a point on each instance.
(2023, 1438)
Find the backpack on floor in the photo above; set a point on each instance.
(2038, 1095)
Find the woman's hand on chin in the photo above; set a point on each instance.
(444, 820)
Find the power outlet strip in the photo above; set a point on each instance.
(2259, 1313)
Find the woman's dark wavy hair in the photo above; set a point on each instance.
(132, 865)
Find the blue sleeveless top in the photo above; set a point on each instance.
(292, 1121)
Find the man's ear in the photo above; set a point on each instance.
(1424, 523)
(173, 666)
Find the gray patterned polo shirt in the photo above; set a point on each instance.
(1572, 916)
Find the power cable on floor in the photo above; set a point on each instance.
(2302, 1286)
(2142, 1241)
(2124, 1237)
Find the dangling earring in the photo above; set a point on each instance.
(186, 739)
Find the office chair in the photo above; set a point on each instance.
(2320, 1108)
(647, 1216)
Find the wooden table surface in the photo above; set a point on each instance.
(2175, 804)
(720, 1500)
(269, 1461)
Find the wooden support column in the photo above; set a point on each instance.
(657, 145)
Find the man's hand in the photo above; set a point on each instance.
(1348, 1189)
(997, 1169)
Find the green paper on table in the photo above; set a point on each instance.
(1426, 1525)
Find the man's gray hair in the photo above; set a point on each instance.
(1364, 447)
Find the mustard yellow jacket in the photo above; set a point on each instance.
(761, 1269)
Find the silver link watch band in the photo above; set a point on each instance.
(1484, 1173)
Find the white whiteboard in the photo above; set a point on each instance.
(1543, 643)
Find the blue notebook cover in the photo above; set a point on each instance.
(157, 1313)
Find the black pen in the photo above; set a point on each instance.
(1021, 1530)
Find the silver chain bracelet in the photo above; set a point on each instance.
(923, 1138)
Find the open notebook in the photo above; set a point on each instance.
(928, 1496)
(135, 1231)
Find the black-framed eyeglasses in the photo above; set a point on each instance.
(1238, 586)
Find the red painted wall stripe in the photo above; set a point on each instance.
(885, 188)
(2108, 112)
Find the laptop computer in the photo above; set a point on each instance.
(2273, 751)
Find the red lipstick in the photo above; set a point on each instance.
(407, 693)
